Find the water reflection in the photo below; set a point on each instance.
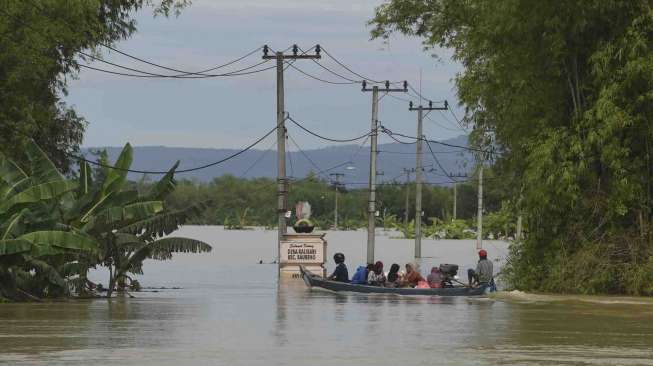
(258, 320)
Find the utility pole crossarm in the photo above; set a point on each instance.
(387, 88)
(294, 56)
(429, 108)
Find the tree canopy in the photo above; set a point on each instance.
(39, 46)
(566, 89)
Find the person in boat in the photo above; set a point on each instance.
(339, 274)
(393, 279)
(376, 277)
(434, 279)
(483, 275)
(412, 277)
(360, 276)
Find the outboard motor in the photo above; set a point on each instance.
(449, 273)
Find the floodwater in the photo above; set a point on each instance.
(230, 310)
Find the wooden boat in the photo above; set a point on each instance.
(313, 280)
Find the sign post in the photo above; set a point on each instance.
(308, 250)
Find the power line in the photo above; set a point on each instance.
(146, 74)
(390, 133)
(320, 79)
(323, 137)
(437, 161)
(335, 73)
(258, 159)
(442, 126)
(81, 158)
(352, 71)
(319, 170)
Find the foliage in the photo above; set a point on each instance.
(55, 229)
(228, 195)
(40, 44)
(565, 89)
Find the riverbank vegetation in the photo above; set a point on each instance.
(565, 91)
(238, 203)
(54, 229)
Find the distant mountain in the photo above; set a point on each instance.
(353, 160)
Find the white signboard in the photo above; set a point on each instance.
(302, 252)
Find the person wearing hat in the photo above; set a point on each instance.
(340, 274)
(483, 275)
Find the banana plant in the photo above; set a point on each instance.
(53, 229)
(130, 226)
(33, 242)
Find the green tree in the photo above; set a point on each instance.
(39, 46)
(565, 89)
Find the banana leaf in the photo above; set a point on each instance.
(38, 193)
(116, 178)
(60, 240)
(42, 168)
(10, 172)
(12, 226)
(164, 186)
(85, 180)
(14, 246)
(133, 212)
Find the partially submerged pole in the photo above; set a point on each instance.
(371, 209)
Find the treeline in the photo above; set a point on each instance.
(237, 202)
(565, 91)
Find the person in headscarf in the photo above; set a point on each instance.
(376, 276)
(412, 276)
(393, 279)
(434, 278)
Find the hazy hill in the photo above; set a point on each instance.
(349, 159)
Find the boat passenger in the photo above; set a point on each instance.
(360, 277)
(434, 278)
(393, 279)
(483, 275)
(412, 276)
(376, 277)
(340, 274)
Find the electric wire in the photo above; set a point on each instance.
(353, 72)
(146, 74)
(319, 170)
(263, 154)
(443, 126)
(324, 137)
(201, 73)
(388, 132)
(335, 73)
(437, 161)
(249, 147)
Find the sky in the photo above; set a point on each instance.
(233, 112)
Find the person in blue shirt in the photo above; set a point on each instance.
(340, 274)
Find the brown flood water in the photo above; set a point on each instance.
(232, 311)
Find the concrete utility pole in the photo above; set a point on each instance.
(418, 172)
(282, 182)
(336, 184)
(479, 231)
(407, 171)
(455, 199)
(371, 209)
